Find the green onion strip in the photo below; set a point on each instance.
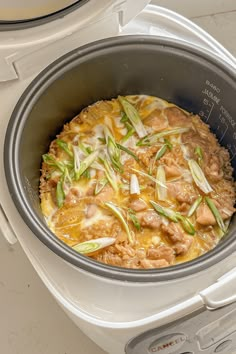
(216, 213)
(133, 116)
(116, 211)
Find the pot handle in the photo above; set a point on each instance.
(222, 293)
(5, 228)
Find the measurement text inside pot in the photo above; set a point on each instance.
(212, 102)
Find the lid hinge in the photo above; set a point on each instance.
(7, 69)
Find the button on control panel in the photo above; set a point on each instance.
(224, 347)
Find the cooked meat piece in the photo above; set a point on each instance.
(172, 171)
(183, 192)
(162, 252)
(73, 196)
(174, 231)
(138, 204)
(149, 219)
(156, 120)
(213, 169)
(147, 263)
(205, 216)
(106, 194)
(181, 248)
(181, 241)
(177, 118)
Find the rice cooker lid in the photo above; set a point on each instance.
(25, 10)
(20, 14)
(28, 46)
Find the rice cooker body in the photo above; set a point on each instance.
(169, 69)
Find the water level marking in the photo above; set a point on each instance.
(222, 137)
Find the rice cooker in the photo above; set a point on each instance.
(102, 49)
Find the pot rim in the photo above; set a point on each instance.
(16, 189)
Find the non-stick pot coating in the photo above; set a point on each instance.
(149, 65)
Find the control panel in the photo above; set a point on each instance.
(202, 332)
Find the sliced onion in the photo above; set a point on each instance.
(199, 177)
(161, 189)
(141, 173)
(94, 245)
(76, 151)
(194, 207)
(134, 185)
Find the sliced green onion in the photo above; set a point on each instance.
(175, 217)
(133, 116)
(130, 132)
(116, 211)
(194, 206)
(152, 139)
(168, 143)
(94, 245)
(66, 176)
(112, 149)
(186, 224)
(51, 161)
(85, 149)
(199, 177)
(161, 192)
(64, 146)
(100, 185)
(160, 153)
(86, 163)
(110, 174)
(124, 118)
(60, 194)
(141, 173)
(76, 160)
(216, 213)
(133, 218)
(168, 213)
(102, 140)
(129, 152)
(134, 185)
(86, 174)
(199, 153)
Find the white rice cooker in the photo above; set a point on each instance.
(188, 315)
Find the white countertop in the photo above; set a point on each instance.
(30, 320)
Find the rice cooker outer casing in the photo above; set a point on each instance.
(172, 70)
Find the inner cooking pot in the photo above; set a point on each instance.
(172, 70)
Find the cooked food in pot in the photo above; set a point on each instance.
(137, 182)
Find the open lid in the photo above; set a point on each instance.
(27, 49)
(20, 14)
(25, 10)
(27, 44)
